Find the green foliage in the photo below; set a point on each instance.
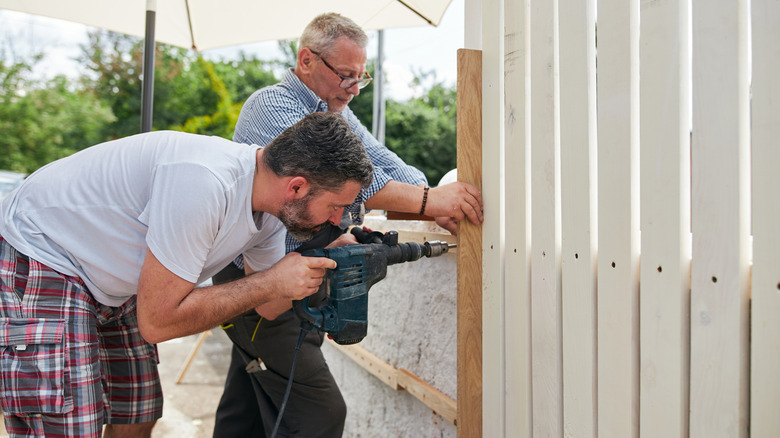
(190, 93)
(221, 123)
(44, 121)
(244, 76)
(422, 131)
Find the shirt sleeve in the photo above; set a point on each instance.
(265, 115)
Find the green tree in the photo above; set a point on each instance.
(422, 130)
(190, 93)
(42, 121)
(245, 75)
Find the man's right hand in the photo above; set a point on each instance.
(296, 277)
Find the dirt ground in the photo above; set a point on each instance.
(189, 406)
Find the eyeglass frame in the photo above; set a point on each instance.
(361, 83)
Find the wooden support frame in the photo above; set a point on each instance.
(469, 247)
(401, 379)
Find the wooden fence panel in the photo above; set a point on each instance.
(618, 219)
(518, 219)
(720, 220)
(578, 214)
(547, 354)
(664, 218)
(765, 332)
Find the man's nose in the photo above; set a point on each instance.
(335, 218)
(354, 89)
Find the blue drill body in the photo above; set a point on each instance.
(340, 306)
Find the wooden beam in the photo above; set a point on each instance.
(379, 369)
(469, 132)
(401, 379)
(430, 396)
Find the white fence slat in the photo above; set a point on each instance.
(664, 217)
(618, 218)
(578, 212)
(547, 354)
(518, 217)
(720, 220)
(765, 332)
(493, 322)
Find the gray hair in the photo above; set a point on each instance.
(322, 32)
(323, 149)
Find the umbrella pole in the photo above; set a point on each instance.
(147, 95)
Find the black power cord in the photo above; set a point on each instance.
(305, 327)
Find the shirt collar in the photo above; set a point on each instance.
(310, 100)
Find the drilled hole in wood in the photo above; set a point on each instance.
(613, 264)
(660, 269)
(576, 256)
(515, 250)
(778, 286)
(714, 279)
(544, 254)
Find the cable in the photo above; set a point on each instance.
(305, 327)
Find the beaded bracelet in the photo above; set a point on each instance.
(425, 200)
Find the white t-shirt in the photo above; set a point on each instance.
(186, 197)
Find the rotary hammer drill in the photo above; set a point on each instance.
(340, 306)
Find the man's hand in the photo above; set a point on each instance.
(344, 239)
(449, 203)
(452, 202)
(295, 277)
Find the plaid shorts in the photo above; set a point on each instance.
(69, 364)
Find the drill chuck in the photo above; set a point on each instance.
(436, 248)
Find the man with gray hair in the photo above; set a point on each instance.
(330, 71)
(101, 252)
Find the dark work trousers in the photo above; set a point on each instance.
(250, 402)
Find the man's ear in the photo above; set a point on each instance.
(305, 59)
(297, 187)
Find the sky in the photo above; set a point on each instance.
(407, 50)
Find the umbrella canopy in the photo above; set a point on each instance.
(208, 24)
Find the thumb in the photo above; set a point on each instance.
(321, 262)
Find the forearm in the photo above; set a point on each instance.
(203, 308)
(397, 196)
(272, 309)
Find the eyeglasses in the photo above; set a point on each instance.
(346, 82)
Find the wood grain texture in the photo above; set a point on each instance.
(469, 132)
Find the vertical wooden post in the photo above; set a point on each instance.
(469, 132)
(546, 324)
(618, 219)
(765, 332)
(578, 214)
(517, 220)
(664, 218)
(720, 216)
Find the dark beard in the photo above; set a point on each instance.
(295, 216)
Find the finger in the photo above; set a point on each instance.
(320, 262)
(474, 210)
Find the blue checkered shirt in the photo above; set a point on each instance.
(272, 109)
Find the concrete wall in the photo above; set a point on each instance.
(411, 325)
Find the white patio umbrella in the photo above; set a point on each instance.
(207, 24)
